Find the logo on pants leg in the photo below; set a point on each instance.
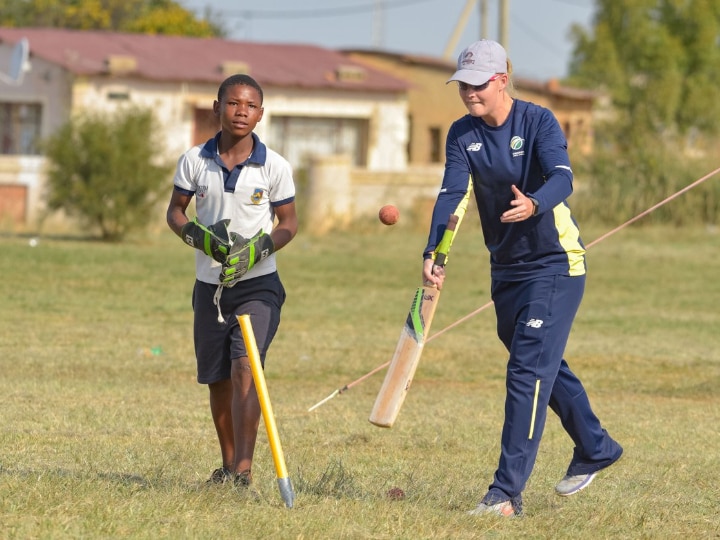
(534, 323)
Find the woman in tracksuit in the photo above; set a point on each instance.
(513, 155)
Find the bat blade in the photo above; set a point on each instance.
(406, 358)
(415, 331)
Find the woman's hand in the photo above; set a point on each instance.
(433, 274)
(522, 208)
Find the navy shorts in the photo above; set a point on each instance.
(216, 343)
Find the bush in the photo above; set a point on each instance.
(107, 170)
(619, 186)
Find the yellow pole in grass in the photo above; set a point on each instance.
(284, 483)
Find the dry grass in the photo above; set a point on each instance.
(102, 439)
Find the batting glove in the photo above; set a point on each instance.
(214, 240)
(244, 254)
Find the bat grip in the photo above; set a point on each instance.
(444, 246)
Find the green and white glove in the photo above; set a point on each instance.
(244, 254)
(213, 240)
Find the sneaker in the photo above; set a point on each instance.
(243, 479)
(220, 476)
(503, 509)
(570, 485)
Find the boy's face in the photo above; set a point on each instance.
(239, 110)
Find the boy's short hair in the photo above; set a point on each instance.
(240, 79)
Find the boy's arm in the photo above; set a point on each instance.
(176, 216)
(287, 225)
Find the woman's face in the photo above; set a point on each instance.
(482, 100)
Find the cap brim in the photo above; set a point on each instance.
(469, 76)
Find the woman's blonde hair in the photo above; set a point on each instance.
(510, 87)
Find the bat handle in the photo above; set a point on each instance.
(446, 241)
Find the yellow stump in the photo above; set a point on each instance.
(284, 483)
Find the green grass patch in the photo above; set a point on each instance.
(106, 434)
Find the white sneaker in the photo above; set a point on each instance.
(570, 485)
(503, 509)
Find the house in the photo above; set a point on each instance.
(318, 102)
(434, 105)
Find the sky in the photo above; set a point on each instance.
(538, 32)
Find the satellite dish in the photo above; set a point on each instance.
(19, 63)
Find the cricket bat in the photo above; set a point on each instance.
(412, 340)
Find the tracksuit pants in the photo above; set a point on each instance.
(534, 318)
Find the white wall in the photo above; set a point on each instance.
(387, 114)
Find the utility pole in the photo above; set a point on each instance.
(504, 23)
(378, 24)
(484, 19)
(459, 27)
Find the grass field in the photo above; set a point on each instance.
(106, 434)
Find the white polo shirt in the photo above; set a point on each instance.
(246, 195)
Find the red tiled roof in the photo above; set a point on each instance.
(188, 59)
(554, 88)
(441, 64)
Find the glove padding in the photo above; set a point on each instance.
(244, 254)
(213, 240)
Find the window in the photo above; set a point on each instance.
(297, 138)
(410, 139)
(435, 145)
(20, 128)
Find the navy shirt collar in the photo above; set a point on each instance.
(230, 177)
(258, 156)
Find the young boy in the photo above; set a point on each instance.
(245, 204)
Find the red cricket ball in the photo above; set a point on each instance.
(389, 214)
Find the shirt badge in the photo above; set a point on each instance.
(257, 196)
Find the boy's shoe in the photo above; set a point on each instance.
(220, 476)
(243, 479)
(503, 509)
(570, 485)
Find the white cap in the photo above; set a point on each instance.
(480, 61)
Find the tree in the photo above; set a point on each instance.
(657, 61)
(136, 16)
(104, 170)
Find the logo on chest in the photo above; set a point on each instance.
(201, 192)
(516, 145)
(257, 196)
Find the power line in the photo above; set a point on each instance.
(312, 13)
(529, 30)
(577, 3)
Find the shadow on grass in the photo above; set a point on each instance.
(124, 479)
(121, 479)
